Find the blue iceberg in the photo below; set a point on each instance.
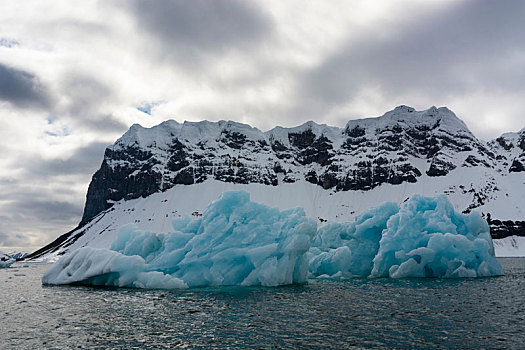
(427, 238)
(235, 242)
(6, 260)
(423, 238)
(239, 242)
(6, 263)
(347, 249)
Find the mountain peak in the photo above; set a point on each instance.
(405, 109)
(440, 118)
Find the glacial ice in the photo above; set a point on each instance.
(106, 267)
(425, 237)
(347, 249)
(6, 260)
(6, 263)
(239, 242)
(235, 242)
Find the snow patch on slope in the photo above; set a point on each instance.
(513, 246)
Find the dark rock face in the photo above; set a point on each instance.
(129, 171)
(116, 182)
(356, 132)
(177, 159)
(511, 147)
(516, 167)
(440, 167)
(473, 161)
(319, 151)
(503, 143)
(301, 140)
(506, 228)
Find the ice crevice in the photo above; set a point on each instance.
(239, 242)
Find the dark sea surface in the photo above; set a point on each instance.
(370, 313)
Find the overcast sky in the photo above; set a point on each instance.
(74, 75)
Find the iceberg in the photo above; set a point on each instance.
(239, 242)
(6, 260)
(347, 249)
(104, 267)
(235, 242)
(425, 237)
(6, 263)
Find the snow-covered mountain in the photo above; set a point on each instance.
(151, 175)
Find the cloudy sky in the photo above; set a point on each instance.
(75, 74)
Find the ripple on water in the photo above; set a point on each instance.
(465, 313)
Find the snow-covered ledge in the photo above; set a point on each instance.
(513, 246)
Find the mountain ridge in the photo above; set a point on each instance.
(172, 153)
(403, 147)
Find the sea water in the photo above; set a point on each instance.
(361, 312)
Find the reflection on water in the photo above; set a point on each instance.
(465, 313)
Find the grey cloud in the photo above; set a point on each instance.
(89, 99)
(48, 210)
(22, 89)
(84, 162)
(6, 240)
(105, 123)
(34, 212)
(85, 93)
(448, 52)
(189, 30)
(31, 201)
